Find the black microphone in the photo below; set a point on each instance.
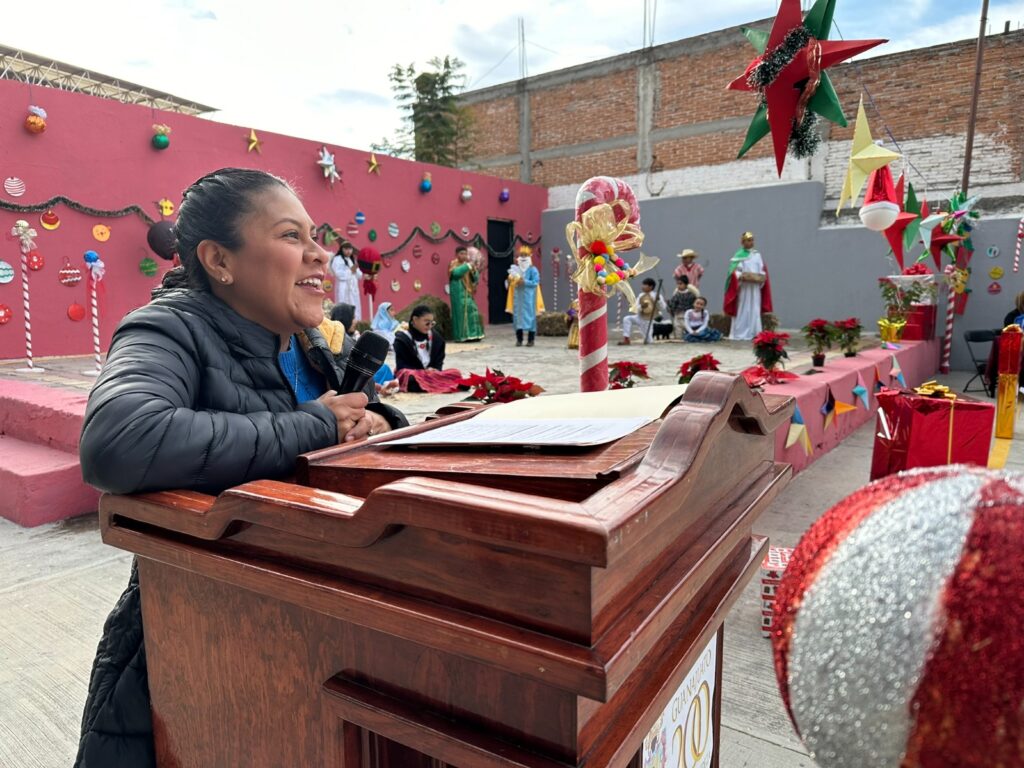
(365, 359)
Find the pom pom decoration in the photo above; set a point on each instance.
(162, 241)
(880, 207)
(899, 626)
(35, 122)
(161, 136)
(426, 184)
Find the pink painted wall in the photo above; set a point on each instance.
(98, 153)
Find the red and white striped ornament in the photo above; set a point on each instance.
(14, 186)
(69, 275)
(352, 229)
(899, 625)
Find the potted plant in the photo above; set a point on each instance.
(916, 285)
(770, 351)
(624, 374)
(848, 335)
(689, 369)
(819, 335)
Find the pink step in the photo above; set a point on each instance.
(41, 484)
(40, 414)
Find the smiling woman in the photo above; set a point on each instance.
(226, 376)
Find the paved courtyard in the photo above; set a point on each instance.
(57, 582)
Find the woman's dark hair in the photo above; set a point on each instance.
(344, 314)
(212, 209)
(420, 310)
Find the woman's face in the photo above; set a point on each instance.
(276, 276)
(423, 323)
(391, 311)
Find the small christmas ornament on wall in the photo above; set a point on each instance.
(466, 194)
(426, 184)
(69, 275)
(35, 121)
(161, 136)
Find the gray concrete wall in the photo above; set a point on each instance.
(826, 272)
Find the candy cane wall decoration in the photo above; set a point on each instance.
(1020, 239)
(96, 269)
(29, 257)
(607, 223)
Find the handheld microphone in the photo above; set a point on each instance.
(365, 359)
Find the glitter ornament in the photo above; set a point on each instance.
(899, 625)
(68, 274)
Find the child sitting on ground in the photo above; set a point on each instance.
(695, 323)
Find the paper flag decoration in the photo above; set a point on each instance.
(896, 372)
(861, 391)
(828, 408)
(842, 408)
(878, 380)
(798, 432)
(897, 230)
(790, 92)
(865, 157)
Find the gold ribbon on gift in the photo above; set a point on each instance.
(941, 392)
(1006, 405)
(890, 330)
(599, 224)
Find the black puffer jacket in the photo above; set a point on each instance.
(191, 397)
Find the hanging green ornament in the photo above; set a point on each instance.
(148, 267)
(372, 234)
(161, 138)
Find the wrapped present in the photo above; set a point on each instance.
(930, 427)
(920, 323)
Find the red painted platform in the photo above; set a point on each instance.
(919, 361)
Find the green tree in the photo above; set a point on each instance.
(435, 128)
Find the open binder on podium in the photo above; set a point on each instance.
(455, 606)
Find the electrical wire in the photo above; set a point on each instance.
(476, 83)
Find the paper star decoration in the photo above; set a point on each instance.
(938, 243)
(896, 372)
(894, 234)
(373, 166)
(878, 380)
(828, 408)
(802, 85)
(914, 207)
(865, 157)
(254, 142)
(861, 391)
(798, 432)
(842, 408)
(326, 163)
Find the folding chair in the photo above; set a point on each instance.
(980, 365)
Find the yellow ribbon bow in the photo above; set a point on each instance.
(599, 224)
(934, 389)
(890, 330)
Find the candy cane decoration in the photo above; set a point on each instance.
(96, 269)
(1020, 239)
(947, 337)
(25, 234)
(606, 223)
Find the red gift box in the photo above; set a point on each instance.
(920, 323)
(916, 430)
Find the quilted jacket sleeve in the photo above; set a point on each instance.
(142, 432)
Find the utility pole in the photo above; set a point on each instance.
(969, 148)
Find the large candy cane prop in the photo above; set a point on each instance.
(25, 234)
(96, 269)
(955, 282)
(1020, 239)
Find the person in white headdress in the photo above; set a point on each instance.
(524, 300)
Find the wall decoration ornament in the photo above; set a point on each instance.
(253, 142)
(6, 273)
(327, 166)
(14, 186)
(435, 229)
(435, 258)
(417, 251)
(351, 229)
(395, 286)
(165, 207)
(393, 229)
(35, 122)
(373, 165)
(148, 267)
(76, 312)
(75, 206)
(464, 231)
(5, 314)
(426, 184)
(69, 275)
(49, 219)
(789, 76)
(97, 270)
(417, 286)
(992, 252)
(360, 217)
(372, 235)
(405, 265)
(101, 233)
(504, 195)
(995, 288)
(996, 273)
(161, 136)
(466, 194)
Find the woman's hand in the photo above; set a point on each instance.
(371, 424)
(348, 409)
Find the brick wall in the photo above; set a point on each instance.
(584, 120)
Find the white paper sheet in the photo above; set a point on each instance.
(478, 431)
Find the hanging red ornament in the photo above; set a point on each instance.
(36, 120)
(76, 312)
(68, 274)
(35, 260)
(5, 314)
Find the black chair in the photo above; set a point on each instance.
(980, 365)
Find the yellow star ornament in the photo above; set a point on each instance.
(865, 157)
(254, 142)
(372, 165)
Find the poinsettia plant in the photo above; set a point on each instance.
(819, 335)
(495, 387)
(690, 368)
(848, 331)
(770, 349)
(624, 374)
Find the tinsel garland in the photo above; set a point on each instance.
(77, 206)
(333, 235)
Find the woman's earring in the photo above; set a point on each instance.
(223, 278)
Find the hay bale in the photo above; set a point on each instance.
(721, 323)
(769, 321)
(442, 313)
(552, 324)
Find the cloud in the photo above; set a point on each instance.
(350, 97)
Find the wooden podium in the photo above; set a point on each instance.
(400, 607)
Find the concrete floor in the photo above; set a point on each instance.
(58, 582)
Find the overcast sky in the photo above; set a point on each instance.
(319, 68)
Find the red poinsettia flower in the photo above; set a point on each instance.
(689, 369)
(623, 374)
(495, 387)
(917, 269)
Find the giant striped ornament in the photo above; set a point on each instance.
(899, 636)
(14, 186)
